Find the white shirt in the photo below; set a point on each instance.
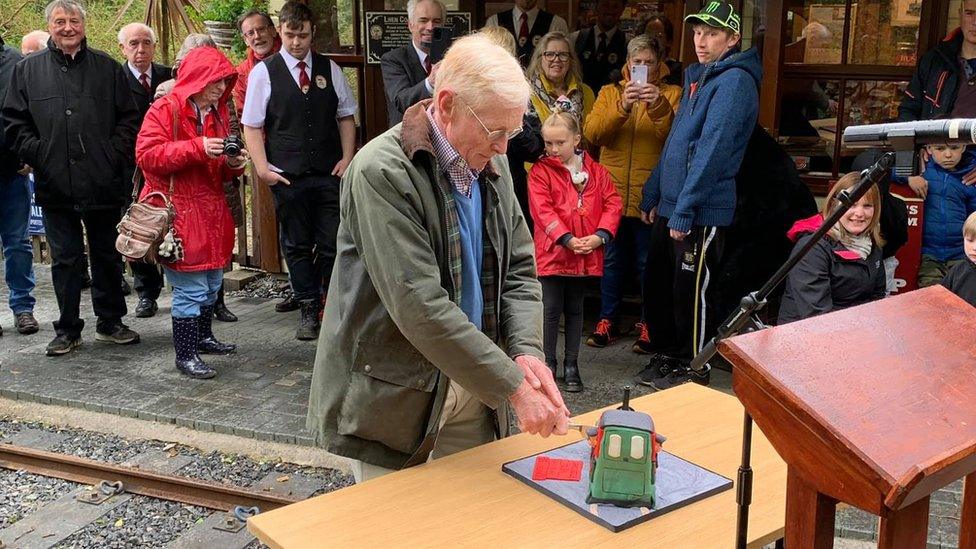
(138, 73)
(259, 90)
(558, 23)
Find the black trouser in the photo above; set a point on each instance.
(562, 295)
(678, 288)
(308, 213)
(63, 230)
(147, 278)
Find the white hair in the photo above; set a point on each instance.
(125, 30)
(412, 7)
(70, 6)
(481, 72)
(37, 37)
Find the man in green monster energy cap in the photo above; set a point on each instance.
(690, 197)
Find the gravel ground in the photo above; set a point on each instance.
(142, 521)
(267, 287)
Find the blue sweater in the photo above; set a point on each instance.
(947, 205)
(694, 183)
(470, 218)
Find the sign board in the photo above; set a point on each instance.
(35, 224)
(910, 255)
(388, 30)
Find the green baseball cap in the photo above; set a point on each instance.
(718, 14)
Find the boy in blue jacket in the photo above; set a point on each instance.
(948, 202)
(690, 196)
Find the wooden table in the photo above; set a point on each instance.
(465, 499)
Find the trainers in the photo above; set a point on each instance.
(603, 335)
(643, 344)
(62, 345)
(146, 308)
(658, 367)
(682, 375)
(26, 323)
(117, 333)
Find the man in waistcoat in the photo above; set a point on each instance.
(528, 24)
(299, 125)
(602, 48)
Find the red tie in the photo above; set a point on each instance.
(427, 65)
(303, 81)
(523, 29)
(144, 80)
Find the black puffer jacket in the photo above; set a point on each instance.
(932, 91)
(74, 120)
(830, 277)
(9, 164)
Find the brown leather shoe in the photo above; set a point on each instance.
(26, 323)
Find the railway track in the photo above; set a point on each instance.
(98, 496)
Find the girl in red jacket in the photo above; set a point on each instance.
(576, 210)
(191, 157)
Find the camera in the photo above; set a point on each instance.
(233, 146)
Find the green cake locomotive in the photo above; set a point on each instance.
(623, 457)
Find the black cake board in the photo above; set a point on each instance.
(679, 483)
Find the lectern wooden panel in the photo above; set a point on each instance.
(873, 406)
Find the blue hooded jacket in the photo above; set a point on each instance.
(694, 183)
(947, 205)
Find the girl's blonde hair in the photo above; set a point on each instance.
(501, 37)
(873, 195)
(969, 227)
(565, 119)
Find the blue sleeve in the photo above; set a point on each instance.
(730, 120)
(651, 194)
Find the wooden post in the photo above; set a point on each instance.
(967, 530)
(809, 515)
(905, 528)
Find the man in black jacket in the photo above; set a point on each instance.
(14, 215)
(944, 83)
(408, 74)
(138, 44)
(70, 115)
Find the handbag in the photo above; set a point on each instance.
(146, 232)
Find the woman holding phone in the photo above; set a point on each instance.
(630, 122)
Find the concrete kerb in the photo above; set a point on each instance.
(205, 441)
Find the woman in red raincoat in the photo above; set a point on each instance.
(182, 140)
(576, 210)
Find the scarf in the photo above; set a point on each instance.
(574, 94)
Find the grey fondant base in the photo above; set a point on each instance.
(679, 483)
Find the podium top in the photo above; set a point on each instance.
(874, 405)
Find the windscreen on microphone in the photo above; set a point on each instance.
(907, 136)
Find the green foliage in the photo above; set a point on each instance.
(225, 10)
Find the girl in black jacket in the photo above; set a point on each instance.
(845, 268)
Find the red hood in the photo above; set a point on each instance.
(952, 34)
(804, 226)
(253, 57)
(554, 163)
(201, 67)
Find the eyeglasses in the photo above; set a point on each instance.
(256, 31)
(494, 135)
(553, 55)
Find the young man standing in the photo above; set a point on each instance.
(690, 196)
(299, 124)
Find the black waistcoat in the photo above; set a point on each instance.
(543, 20)
(598, 65)
(302, 133)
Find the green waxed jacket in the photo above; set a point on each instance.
(393, 335)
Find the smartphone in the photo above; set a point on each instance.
(441, 40)
(638, 74)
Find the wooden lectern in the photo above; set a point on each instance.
(874, 406)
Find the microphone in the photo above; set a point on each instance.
(907, 136)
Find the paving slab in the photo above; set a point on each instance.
(39, 439)
(57, 520)
(203, 535)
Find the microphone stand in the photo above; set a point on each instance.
(745, 320)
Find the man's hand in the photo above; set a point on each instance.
(213, 146)
(678, 235)
(271, 178)
(340, 167)
(648, 217)
(432, 77)
(536, 413)
(25, 170)
(919, 185)
(539, 377)
(969, 178)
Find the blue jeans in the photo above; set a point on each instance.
(193, 290)
(624, 259)
(17, 255)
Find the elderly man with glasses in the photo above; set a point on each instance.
(434, 328)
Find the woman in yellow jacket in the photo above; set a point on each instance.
(630, 122)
